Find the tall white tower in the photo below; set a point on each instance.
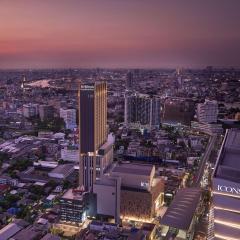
(23, 83)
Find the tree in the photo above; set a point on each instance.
(3, 156)
(57, 231)
(66, 184)
(56, 124)
(38, 190)
(51, 184)
(21, 165)
(8, 201)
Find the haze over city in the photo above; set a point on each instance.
(108, 33)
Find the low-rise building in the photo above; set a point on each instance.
(101, 230)
(61, 171)
(50, 236)
(30, 110)
(7, 180)
(70, 154)
(31, 232)
(12, 228)
(207, 128)
(73, 206)
(142, 193)
(69, 117)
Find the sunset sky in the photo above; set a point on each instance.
(119, 33)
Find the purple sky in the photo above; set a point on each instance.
(119, 33)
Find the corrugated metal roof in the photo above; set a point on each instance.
(181, 211)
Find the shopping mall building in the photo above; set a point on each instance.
(226, 188)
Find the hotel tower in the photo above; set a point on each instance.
(92, 130)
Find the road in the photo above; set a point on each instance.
(210, 146)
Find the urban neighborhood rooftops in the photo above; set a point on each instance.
(12, 228)
(49, 236)
(73, 194)
(62, 171)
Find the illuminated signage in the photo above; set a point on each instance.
(145, 184)
(228, 189)
(87, 87)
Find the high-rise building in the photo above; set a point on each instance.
(178, 111)
(142, 110)
(226, 188)
(30, 110)
(46, 112)
(129, 81)
(69, 117)
(23, 83)
(92, 129)
(93, 116)
(207, 112)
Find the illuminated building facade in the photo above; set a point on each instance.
(142, 193)
(226, 188)
(73, 206)
(92, 129)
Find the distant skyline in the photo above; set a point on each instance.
(119, 33)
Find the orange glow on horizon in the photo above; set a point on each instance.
(118, 33)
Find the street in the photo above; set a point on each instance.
(210, 146)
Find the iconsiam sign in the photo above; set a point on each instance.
(228, 189)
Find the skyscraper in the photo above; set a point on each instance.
(207, 112)
(92, 129)
(129, 81)
(23, 83)
(142, 110)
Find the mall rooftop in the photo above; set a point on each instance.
(133, 168)
(180, 213)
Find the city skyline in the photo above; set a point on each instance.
(155, 151)
(120, 119)
(131, 34)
